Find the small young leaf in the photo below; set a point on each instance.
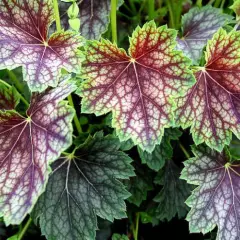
(236, 8)
(198, 26)
(212, 106)
(119, 237)
(9, 97)
(24, 42)
(173, 194)
(162, 152)
(27, 145)
(136, 88)
(216, 199)
(84, 187)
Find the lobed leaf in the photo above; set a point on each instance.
(136, 88)
(83, 187)
(24, 42)
(212, 106)
(198, 26)
(216, 199)
(28, 144)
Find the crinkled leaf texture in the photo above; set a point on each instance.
(27, 147)
(212, 106)
(162, 152)
(9, 97)
(84, 187)
(172, 197)
(216, 201)
(24, 42)
(136, 88)
(198, 26)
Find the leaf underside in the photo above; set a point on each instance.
(136, 88)
(27, 146)
(83, 188)
(24, 42)
(216, 200)
(198, 26)
(212, 106)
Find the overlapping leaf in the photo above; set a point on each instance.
(172, 197)
(27, 145)
(136, 88)
(212, 106)
(84, 187)
(216, 200)
(8, 97)
(24, 42)
(162, 152)
(198, 26)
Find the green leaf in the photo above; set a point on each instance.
(83, 187)
(161, 153)
(236, 8)
(172, 197)
(117, 236)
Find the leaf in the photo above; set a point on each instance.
(117, 236)
(139, 186)
(24, 42)
(84, 187)
(136, 88)
(156, 160)
(9, 97)
(198, 26)
(173, 194)
(27, 146)
(236, 8)
(216, 199)
(211, 107)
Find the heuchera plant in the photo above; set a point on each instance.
(91, 132)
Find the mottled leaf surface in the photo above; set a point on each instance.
(198, 26)
(216, 199)
(24, 42)
(84, 187)
(172, 197)
(161, 152)
(212, 106)
(9, 97)
(27, 146)
(136, 88)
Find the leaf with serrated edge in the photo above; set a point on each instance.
(136, 88)
(24, 42)
(84, 187)
(27, 146)
(198, 26)
(212, 106)
(9, 97)
(173, 194)
(216, 200)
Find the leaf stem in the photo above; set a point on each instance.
(135, 229)
(151, 9)
(25, 228)
(217, 3)
(171, 15)
(57, 15)
(114, 20)
(199, 3)
(133, 7)
(75, 118)
(222, 4)
(20, 95)
(184, 150)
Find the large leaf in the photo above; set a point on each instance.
(216, 200)
(9, 97)
(136, 88)
(212, 106)
(24, 42)
(172, 196)
(162, 152)
(198, 26)
(83, 187)
(27, 146)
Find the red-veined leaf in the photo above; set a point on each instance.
(136, 88)
(24, 42)
(28, 144)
